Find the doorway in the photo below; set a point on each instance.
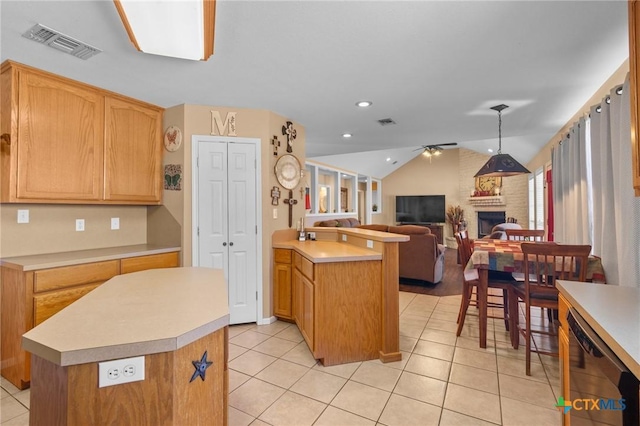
(225, 218)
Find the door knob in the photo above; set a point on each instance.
(231, 243)
(224, 244)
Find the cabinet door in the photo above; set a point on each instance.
(634, 82)
(308, 312)
(282, 290)
(154, 261)
(297, 299)
(133, 152)
(60, 128)
(563, 351)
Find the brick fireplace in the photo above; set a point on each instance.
(487, 220)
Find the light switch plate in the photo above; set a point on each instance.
(344, 237)
(275, 213)
(79, 224)
(23, 216)
(369, 243)
(115, 223)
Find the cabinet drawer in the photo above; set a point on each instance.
(297, 260)
(46, 305)
(67, 276)
(282, 256)
(308, 269)
(164, 260)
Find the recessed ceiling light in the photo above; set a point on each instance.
(490, 150)
(364, 104)
(346, 135)
(388, 158)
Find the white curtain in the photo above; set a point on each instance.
(572, 222)
(616, 210)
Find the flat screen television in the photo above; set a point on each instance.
(420, 209)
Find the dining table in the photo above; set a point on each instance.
(506, 256)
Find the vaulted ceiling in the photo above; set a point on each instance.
(434, 67)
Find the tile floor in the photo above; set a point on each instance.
(441, 380)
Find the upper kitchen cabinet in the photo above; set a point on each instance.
(68, 142)
(634, 80)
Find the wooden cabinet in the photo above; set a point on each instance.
(634, 80)
(68, 142)
(282, 291)
(31, 297)
(563, 352)
(308, 312)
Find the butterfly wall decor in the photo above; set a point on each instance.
(173, 177)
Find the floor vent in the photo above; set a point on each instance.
(386, 122)
(62, 42)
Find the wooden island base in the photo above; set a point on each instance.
(70, 395)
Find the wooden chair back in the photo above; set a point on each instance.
(464, 247)
(544, 263)
(512, 220)
(525, 234)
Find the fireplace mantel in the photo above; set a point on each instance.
(493, 200)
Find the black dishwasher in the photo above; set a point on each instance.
(603, 390)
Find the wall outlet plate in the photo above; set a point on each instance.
(344, 237)
(79, 224)
(115, 223)
(369, 243)
(23, 216)
(120, 371)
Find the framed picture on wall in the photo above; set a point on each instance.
(344, 197)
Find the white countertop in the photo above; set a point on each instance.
(153, 311)
(614, 314)
(329, 251)
(67, 258)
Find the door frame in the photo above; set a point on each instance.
(195, 249)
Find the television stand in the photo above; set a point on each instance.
(436, 229)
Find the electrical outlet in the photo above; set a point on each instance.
(369, 243)
(275, 213)
(79, 224)
(344, 237)
(23, 216)
(115, 223)
(120, 371)
(311, 236)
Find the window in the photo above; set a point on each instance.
(536, 199)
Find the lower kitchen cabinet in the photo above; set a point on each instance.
(282, 291)
(30, 297)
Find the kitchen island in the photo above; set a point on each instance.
(342, 291)
(176, 319)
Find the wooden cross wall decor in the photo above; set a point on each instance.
(276, 143)
(292, 202)
(275, 195)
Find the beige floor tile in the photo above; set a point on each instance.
(4, 393)
(422, 388)
(402, 411)
(254, 397)
(505, 349)
(439, 336)
(333, 416)
(444, 307)
(291, 333)
(21, 420)
(249, 339)
(258, 422)
(427, 298)
(8, 386)
(418, 321)
(434, 350)
(282, 373)
(407, 343)
(427, 366)
(418, 311)
(528, 391)
(474, 344)
(318, 385)
(444, 316)
(449, 326)
(275, 346)
(472, 331)
(475, 403)
(450, 300)
(517, 367)
(236, 379)
(516, 413)
(342, 370)
(24, 397)
(475, 378)
(362, 400)
(294, 410)
(273, 328)
(451, 418)
(238, 418)
(235, 330)
(400, 365)
(411, 330)
(251, 362)
(235, 351)
(377, 375)
(473, 358)
(10, 408)
(300, 355)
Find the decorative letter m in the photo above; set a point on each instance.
(229, 120)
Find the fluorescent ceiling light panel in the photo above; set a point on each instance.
(176, 28)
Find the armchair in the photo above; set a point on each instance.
(421, 258)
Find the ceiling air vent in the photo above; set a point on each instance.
(386, 122)
(59, 41)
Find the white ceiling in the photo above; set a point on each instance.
(433, 67)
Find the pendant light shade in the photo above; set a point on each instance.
(501, 165)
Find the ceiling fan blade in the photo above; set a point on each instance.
(450, 143)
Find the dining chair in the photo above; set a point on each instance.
(544, 263)
(525, 234)
(505, 284)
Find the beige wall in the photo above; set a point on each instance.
(51, 228)
(450, 174)
(260, 124)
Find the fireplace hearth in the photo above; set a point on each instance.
(487, 220)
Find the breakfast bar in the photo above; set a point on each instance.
(175, 319)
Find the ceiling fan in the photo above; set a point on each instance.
(434, 150)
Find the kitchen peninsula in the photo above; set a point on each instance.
(176, 319)
(342, 292)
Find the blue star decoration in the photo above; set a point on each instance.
(201, 367)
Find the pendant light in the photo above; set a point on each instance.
(501, 165)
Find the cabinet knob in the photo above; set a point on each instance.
(224, 244)
(231, 243)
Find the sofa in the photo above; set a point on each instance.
(498, 231)
(347, 222)
(420, 258)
